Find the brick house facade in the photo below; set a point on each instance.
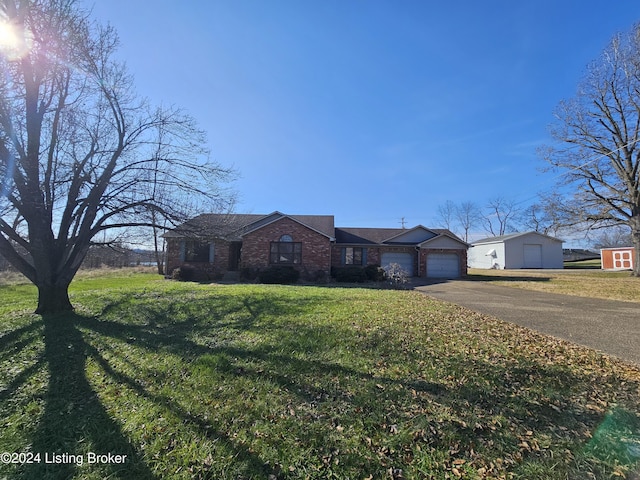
(315, 247)
(216, 244)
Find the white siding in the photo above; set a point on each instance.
(443, 241)
(417, 235)
(478, 256)
(527, 250)
(548, 250)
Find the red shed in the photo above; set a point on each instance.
(620, 258)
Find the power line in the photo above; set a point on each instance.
(579, 167)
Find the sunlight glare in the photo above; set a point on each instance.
(14, 43)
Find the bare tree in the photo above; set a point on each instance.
(447, 214)
(613, 237)
(544, 216)
(500, 216)
(459, 218)
(534, 218)
(79, 150)
(597, 135)
(467, 215)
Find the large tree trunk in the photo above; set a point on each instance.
(53, 299)
(159, 254)
(635, 236)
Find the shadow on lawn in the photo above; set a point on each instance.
(506, 278)
(75, 421)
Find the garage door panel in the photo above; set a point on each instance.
(443, 265)
(405, 260)
(532, 256)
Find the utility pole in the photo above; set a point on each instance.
(402, 222)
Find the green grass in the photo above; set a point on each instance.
(584, 264)
(579, 282)
(250, 381)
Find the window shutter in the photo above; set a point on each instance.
(211, 252)
(364, 257)
(183, 247)
(343, 256)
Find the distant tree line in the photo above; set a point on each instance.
(501, 216)
(114, 256)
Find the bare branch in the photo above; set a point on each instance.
(81, 152)
(602, 124)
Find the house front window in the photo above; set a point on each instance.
(286, 251)
(196, 251)
(353, 256)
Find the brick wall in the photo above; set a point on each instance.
(173, 255)
(374, 254)
(316, 248)
(216, 269)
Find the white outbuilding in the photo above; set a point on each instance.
(516, 250)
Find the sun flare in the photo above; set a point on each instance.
(14, 42)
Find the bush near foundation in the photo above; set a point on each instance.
(350, 274)
(375, 273)
(279, 275)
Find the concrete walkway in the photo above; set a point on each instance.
(612, 327)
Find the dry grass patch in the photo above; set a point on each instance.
(583, 283)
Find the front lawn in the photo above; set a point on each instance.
(580, 282)
(268, 382)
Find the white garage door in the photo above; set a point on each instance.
(405, 260)
(443, 265)
(532, 256)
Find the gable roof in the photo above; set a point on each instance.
(372, 236)
(444, 235)
(218, 225)
(416, 234)
(379, 236)
(503, 238)
(234, 226)
(322, 224)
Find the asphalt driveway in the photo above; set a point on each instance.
(609, 326)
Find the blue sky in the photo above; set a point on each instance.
(370, 110)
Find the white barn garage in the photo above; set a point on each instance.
(517, 250)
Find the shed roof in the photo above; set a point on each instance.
(510, 236)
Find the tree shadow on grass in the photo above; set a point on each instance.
(300, 376)
(74, 421)
(548, 399)
(12, 344)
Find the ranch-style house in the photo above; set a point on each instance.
(217, 244)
